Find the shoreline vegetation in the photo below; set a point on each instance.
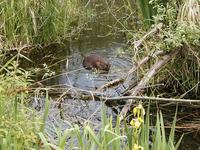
(167, 55)
(28, 23)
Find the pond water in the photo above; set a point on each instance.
(66, 61)
(70, 74)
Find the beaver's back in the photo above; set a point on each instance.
(96, 61)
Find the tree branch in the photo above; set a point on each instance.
(150, 98)
(145, 80)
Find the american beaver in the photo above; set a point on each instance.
(96, 61)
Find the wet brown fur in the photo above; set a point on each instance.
(96, 61)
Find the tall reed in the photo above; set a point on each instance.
(148, 10)
(39, 21)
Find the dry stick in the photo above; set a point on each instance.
(156, 29)
(152, 71)
(150, 98)
(143, 61)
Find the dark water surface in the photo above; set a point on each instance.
(70, 73)
(66, 62)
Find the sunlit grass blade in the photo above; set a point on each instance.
(179, 142)
(79, 136)
(46, 111)
(7, 63)
(63, 138)
(44, 141)
(145, 131)
(163, 136)
(93, 136)
(129, 133)
(173, 127)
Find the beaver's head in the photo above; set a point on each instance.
(96, 61)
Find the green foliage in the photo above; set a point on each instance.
(178, 31)
(113, 136)
(18, 124)
(180, 21)
(35, 22)
(148, 10)
(181, 35)
(159, 138)
(181, 29)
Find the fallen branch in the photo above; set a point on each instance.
(150, 98)
(145, 80)
(75, 93)
(155, 30)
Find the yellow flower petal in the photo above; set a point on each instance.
(137, 124)
(132, 123)
(140, 106)
(137, 147)
(135, 111)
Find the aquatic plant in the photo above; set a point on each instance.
(180, 32)
(114, 136)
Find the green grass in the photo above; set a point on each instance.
(148, 10)
(36, 22)
(19, 125)
(21, 128)
(158, 138)
(112, 136)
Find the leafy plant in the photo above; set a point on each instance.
(135, 136)
(37, 22)
(18, 124)
(148, 9)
